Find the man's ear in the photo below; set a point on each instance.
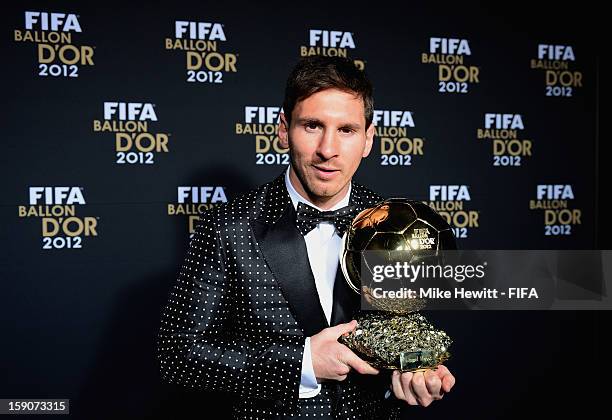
(283, 132)
(369, 140)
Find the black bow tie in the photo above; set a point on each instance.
(307, 218)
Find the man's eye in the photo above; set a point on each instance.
(312, 125)
(346, 130)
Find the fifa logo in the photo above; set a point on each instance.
(559, 217)
(199, 30)
(200, 41)
(503, 129)
(334, 39)
(449, 46)
(504, 121)
(555, 60)
(191, 201)
(131, 111)
(63, 22)
(61, 228)
(129, 121)
(52, 34)
(396, 147)
(330, 43)
(261, 124)
(454, 75)
(449, 201)
(56, 195)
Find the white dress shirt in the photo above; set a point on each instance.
(323, 246)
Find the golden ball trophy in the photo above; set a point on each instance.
(394, 335)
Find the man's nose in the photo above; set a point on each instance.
(328, 146)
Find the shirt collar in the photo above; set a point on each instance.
(297, 198)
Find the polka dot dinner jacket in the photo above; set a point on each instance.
(244, 302)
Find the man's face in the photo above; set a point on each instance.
(327, 140)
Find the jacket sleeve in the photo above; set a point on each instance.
(196, 346)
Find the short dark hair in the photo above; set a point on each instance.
(315, 73)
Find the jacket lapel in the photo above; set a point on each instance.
(284, 250)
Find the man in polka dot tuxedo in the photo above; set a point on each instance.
(260, 302)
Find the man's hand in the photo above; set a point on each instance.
(333, 360)
(422, 388)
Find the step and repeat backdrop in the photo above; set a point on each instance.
(121, 124)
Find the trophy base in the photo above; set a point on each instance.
(408, 343)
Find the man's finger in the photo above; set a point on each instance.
(448, 382)
(340, 329)
(406, 379)
(397, 386)
(433, 383)
(359, 365)
(401, 391)
(441, 371)
(447, 378)
(420, 389)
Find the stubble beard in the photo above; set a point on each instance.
(325, 191)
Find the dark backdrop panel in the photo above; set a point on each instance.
(81, 322)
